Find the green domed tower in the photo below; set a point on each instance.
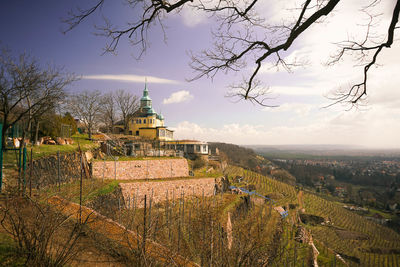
(145, 101)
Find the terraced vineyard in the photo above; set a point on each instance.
(281, 193)
(369, 243)
(360, 242)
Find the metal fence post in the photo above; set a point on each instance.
(58, 170)
(1, 157)
(104, 167)
(80, 191)
(30, 175)
(19, 167)
(115, 168)
(24, 168)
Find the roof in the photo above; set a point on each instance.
(145, 93)
(150, 111)
(139, 113)
(145, 98)
(177, 142)
(158, 127)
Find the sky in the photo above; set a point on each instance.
(200, 109)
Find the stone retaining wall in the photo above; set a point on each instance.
(140, 169)
(52, 170)
(133, 193)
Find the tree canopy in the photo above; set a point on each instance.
(244, 37)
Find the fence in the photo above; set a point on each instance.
(27, 173)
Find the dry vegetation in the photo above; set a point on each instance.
(223, 230)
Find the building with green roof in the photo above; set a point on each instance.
(147, 123)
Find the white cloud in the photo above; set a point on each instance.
(376, 128)
(129, 78)
(178, 97)
(319, 42)
(299, 108)
(192, 17)
(297, 90)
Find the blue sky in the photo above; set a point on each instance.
(200, 109)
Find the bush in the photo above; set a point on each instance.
(198, 163)
(43, 237)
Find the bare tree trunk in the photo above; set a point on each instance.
(36, 132)
(90, 132)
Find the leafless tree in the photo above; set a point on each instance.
(27, 91)
(109, 111)
(87, 106)
(127, 104)
(243, 37)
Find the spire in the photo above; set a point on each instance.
(145, 91)
(145, 101)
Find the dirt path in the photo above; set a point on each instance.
(118, 233)
(315, 251)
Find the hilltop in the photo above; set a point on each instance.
(239, 155)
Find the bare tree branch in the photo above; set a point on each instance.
(359, 90)
(27, 91)
(242, 37)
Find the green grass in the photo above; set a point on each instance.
(231, 205)
(79, 140)
(104, 190)
(9, 255)
(10, 156)
(202, 172)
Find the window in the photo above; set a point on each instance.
(161, 132)
(144, 121)
(204, 148)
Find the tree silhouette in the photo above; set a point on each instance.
(244, 36)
